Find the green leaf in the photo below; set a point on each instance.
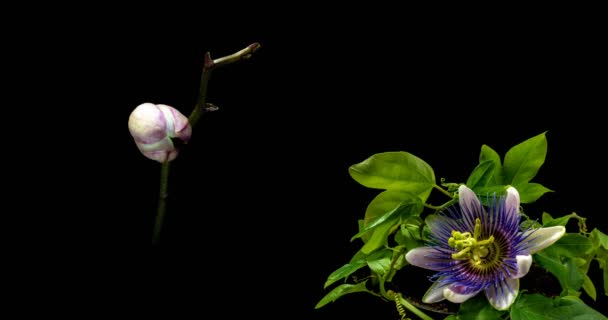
(549, 221)
(523, 161)
(379, 236)
(343, 272)
(341, 290)
(530, 192)
(488, 154)
(529, 224)
(360, 224)
(539, 307)
(358, 256)
(385, 202)
(409, 207)
(478, 308)
(395, 171)
(600, 238)
(589, 287)
(489, 191)
(400, 261)
(400, 237)
(481, 175)
(409, 236)
(545, 218)
(566, 272)
(570, 245)
(380, 262)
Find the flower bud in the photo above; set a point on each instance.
(152, 127)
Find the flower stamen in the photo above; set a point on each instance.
(470, 248)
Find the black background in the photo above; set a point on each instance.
(261, 205)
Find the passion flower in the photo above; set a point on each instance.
(476, 248)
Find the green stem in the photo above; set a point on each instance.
(388, 273)
(430, 206)
(383, 290)
(443, 191)
(162, 201)
(441, 207)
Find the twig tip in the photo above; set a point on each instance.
(254, 46)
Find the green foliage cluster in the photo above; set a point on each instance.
(394, 223)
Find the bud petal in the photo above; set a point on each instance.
(152, 127)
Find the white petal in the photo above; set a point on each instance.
(468, 201)
(524, 262)
(512, 201)
(503, 296)
(425, 257)
(452, 295)
(468, 198)
(435, 293)
(544, 237)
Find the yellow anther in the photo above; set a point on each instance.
(477, 231)
(451, 242)
(486, 242)
(470, 248)
(462, 255)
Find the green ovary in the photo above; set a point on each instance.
(471, 247)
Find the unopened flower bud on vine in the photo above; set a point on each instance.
(154, 125)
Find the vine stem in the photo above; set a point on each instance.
(413, 309)
(443, 191)
(201, 106)
(392, 295)
(441, 207)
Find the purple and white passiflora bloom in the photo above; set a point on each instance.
(477, 248)
(153, 125)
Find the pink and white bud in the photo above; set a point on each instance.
(152, 127)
